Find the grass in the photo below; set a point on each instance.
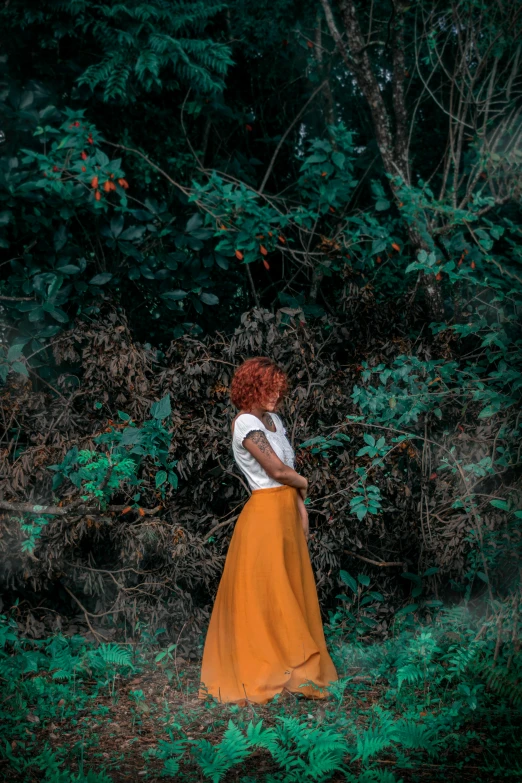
(419, 706)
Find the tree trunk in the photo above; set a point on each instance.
(393, 147)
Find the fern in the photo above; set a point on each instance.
(411, 673)
(302, 753)
(108, 655)
(216, 760)
(143, 40)
(459, 659)
(371, 742)
(415, 736)
(504, 682)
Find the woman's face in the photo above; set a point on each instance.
(270, 403)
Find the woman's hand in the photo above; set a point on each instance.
(303, 514)
(304, 521)
(303, 491)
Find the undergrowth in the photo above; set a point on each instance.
(441, 697)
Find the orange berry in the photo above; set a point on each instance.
(239, 255)
(379, 259)
(265, 262)
(395, 246)
(281, 238)
(473, 265)
(97, 195)
(438, 276)
(263, 250)
(123, 182)
(94, 182)
(107, 186)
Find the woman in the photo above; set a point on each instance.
(265, 634)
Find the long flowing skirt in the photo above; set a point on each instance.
(265, 632)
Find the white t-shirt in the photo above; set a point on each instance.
(256, 476)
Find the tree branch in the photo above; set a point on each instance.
(64, 511)
(379, 563)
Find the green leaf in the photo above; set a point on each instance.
(222, 262)
(174, 295)
(161, 477)
(117, 226)
(20, 368)
(338, 159)
(59, 315)
(407, 610)
(68, 269)
(364, 579)
(101, 158)
(412, 577)
(382, 205)
(160, 410)
(209, 299)
(499, 504)
(14, 352)
(348, 580)
(195, 222)
(488, 411)
(317, 157)
(133, 232)
(101, 279)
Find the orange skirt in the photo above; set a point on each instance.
(265, 633)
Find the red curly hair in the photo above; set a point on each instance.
(255, 380)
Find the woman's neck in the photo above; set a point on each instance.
(262, 413)
(258, 411)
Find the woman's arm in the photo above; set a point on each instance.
(257, 444)
(304, 515)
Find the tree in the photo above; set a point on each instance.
(471, 52)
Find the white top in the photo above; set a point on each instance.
(256, 476)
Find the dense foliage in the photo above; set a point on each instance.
(336, 185)
(444, 693)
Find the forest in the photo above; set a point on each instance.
(335, 184)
